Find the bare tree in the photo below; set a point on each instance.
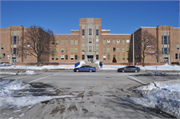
(37, 42)
(146, 44)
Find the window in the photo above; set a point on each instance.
(56, 49)
(83, 32)
(66, 49)
(97, 49)
(127, 57)
(123, 49)
(14, 50)
(179, 55)
(177, 46)
(66, 57)
(97, 41)
(165, 50)
(53, 42)
(114, 42)
(52, 49)
(114, 56)
(76, 57)
(97, 57)
(90, 48)
(52, 57)
(2, 46)
(62, 49)
(118, 42)
(72, 42)
(76, 49)
(127, 49)
(162, 40)
(123, 57)
(72, 49)
(57, 42)
(66, 42)
(90, 40)
(76, 42)
(108, 49)
(0, 56)
(90, 31)
(104, 49)
(108, 57)
(72, 57)
(114, 49)
(176, 56)
(82, 40)
(14, 40)
(82, 57)
(127, 42)
(165, 39)
(104, 57)
(118, 49)
(123, 42)
(56, 57)
(118, 57)
(82, 48)
(108, 42)
(97, 32)
(104, 42)
(62, 42)
(4, 56)
(62, 57)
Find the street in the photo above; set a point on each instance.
(96, 95)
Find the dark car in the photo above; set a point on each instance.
(85, 68)
(129, 69)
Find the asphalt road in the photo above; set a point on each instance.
(97, 95)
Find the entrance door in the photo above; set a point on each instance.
(166, 59)
(90, 58)
(14, 59)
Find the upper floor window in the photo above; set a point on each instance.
(127, 42)
(82, 48)
(14, 40)
(66, 42)
(97, 32)
(127, 49)
(14, 50)
(62, 42)
(76, 42)
(76, 49)
(114, 49)
(118, 42)
(165, 39)
(90, 40)
(118, 49)
(83, 32)
(123, 49)
(90, 31)
(165, 50)
(104, 49)
(104, 42)
(97, 41)
(97, 49)
(108, 49)
(57, 42)
(62, 49)
(66, 49)
(72, 42)
(123, 42)
(56, 49)
(108, 42)
(2, 46)
(177, 46)
(90, 48)
(72, 49)
(52, 42)
(114, 42)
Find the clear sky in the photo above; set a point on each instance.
(120, 17)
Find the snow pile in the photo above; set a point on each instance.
(162, 95)
(81, 63)
(15, 93)
(155, 73)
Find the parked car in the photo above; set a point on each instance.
(129, 69)
(85, 68)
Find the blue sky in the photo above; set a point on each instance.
(62, 16)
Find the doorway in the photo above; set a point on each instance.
(90, 58)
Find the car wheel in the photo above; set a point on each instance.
(122, 71)
(135, 71)
(90, 70)
(77, 70)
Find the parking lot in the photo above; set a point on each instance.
(95, 95)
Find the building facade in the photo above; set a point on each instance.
(91, 43)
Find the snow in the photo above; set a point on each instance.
(28, 72)
(81, 63)
(11, 94)
(164, 95)
(165, 67)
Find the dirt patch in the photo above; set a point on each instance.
(57, 109)
(72, 107)
(80, 95)
(110, 95)
(40, 85)
(85, 110)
